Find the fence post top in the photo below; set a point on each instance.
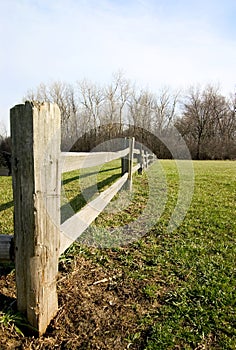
(35, 104)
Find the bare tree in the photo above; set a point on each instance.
(92, 97)
(3, 131)
(93, 114)
(63, 95)
(124, 92)
(142, 109)
(205, 122)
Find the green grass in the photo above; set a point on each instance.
(80, 187)
(197, 263)
(190, 272)
(15, 321)
(6, 206)
(188, 275)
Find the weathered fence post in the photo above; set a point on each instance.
(35, 131)
(146, 158)
(140, 160)
(143, 159)
(153, 158)
(125, 160)
(130, 166)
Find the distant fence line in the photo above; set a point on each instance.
(39, 239)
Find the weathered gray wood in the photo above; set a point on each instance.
(35, 131)
(150, 158)
(72, 160)
(72, 228)
(135, 168)
(6, 248)
(39, 238)
(146, 159)
(124, 165)
(139, 154)
(142, 158)
(130, 165)
(137, 151)
(125, 158)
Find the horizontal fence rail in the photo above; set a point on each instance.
(72, 160)
(90, 212)
(39, 237)
(80, 221)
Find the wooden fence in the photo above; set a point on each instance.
(39, 236)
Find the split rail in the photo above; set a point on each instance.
(39, 237)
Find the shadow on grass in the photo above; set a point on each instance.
(66, 181)
(79, 201)
(6, 205)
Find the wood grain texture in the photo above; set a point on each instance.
(35, 131)
(130, 165)
(37, 164)
(72, 160)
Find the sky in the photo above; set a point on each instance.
(156, 43)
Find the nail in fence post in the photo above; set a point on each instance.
(35, 132)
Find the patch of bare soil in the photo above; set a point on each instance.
(99, 308)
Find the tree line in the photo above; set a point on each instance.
(92, 114)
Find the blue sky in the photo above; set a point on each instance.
(174, 43)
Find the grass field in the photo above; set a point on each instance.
(186, 278)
